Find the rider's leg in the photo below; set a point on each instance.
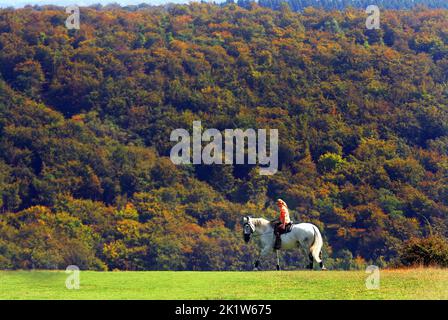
(278, 240)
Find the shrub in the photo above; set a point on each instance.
(430, 251)
(329, 162)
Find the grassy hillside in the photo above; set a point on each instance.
(394, 284)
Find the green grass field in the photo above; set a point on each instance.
(394, 284)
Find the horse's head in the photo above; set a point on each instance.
(248, 228)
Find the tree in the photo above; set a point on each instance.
(29, 78)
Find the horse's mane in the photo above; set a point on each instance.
(260, 222)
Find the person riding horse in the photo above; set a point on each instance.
(281, 224)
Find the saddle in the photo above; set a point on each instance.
(276, 223)
(279, 231)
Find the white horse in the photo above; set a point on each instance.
(302, 235)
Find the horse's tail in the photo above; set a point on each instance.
(316, 247)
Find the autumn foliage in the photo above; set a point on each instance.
(85, 119)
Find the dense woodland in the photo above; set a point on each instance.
(86, 115)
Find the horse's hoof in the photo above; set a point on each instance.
(255, 269)
(324, 269)
(278, 268)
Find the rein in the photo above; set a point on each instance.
(260, 234)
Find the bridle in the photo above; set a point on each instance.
(249, 229)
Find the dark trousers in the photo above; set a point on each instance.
(279, 229)
(278, 232)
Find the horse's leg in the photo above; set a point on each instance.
(302, 246)
(321, 263)
(310, 256)
(278, 261)
(264, 252)
(257, 263)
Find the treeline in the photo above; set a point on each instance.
(86, 115)
(300, 5)
(295, 5)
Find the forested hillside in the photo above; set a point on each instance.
(86, 116)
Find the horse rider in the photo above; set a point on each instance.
(284, 221)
